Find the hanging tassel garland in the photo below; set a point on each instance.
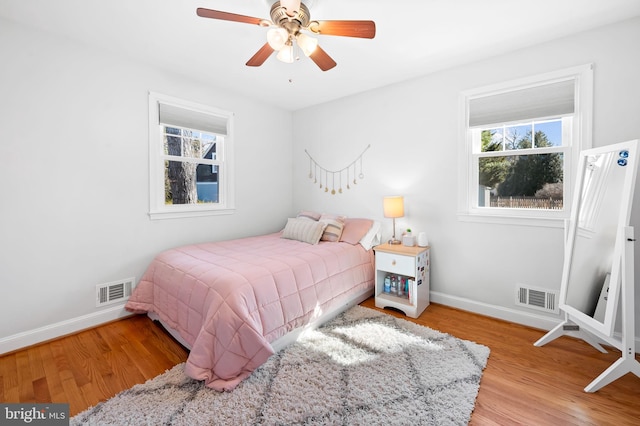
(316, 170)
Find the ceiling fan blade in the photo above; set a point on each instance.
(362, 29)
(322, 59)
(260, 56)
(226, 16)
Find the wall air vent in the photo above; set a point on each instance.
(114, 292)
(537, 298)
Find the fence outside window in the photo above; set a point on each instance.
(526, 203)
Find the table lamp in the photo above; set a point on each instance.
(393, 207)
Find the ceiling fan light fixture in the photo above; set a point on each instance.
(286, 53)
(277, 38)
(307, 44)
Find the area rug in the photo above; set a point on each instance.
(362, 368)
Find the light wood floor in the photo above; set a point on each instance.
(522, 384)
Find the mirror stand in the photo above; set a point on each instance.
(627, 363)
(570, 328)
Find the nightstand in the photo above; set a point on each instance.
(409, 267)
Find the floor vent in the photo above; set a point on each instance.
(114, 292)
(537, 298)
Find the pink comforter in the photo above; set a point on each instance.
(230, 299)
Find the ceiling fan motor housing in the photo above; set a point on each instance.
(279, 17)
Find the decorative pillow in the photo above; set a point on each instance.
(306, 214)
(305, 230)
(355, 229)
(333, 231)
(372, 238)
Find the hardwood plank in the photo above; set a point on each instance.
(52, 374)
(35, 363)
(61, 362)
(141, 358)
(74, 396)
(25, 387)
(41, 390)
(125, 373)
(9, 374)
(522, 384)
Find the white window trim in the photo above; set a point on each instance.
(582, 139)
(157, 207)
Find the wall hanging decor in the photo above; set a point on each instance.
(335, 179)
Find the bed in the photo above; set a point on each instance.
(234, 303)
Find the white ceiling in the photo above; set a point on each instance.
(413, 38)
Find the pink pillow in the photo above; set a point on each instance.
(355, 229)
(308, 214)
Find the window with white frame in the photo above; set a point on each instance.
(521, 144)
(191, 159)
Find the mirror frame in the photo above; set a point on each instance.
(607, 326)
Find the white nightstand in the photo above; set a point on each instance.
(409, 265)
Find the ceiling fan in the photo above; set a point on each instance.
(289, 18)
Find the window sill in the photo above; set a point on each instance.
(157, 215)
(546, 222)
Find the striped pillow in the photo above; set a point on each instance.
(335, 225)
(305, 230)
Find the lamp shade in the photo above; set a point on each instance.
(306, 43)
(286, 53)
(393, 206)
(277, 38)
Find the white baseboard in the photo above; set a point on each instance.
(73, 325)
(62, 328)
(530, 319)
(544, 323)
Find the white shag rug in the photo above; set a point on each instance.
(362, 368)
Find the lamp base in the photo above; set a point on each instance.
(394, 241)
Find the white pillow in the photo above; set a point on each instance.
(305, 230)
(372, 238)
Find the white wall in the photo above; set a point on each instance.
(75, 177)
(413, 129)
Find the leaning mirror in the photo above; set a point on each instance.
(591, 276)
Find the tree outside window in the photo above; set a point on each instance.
(528, 176)
(191, 159)
(188, 180)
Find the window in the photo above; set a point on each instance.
(190, 159)
(521, 144)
